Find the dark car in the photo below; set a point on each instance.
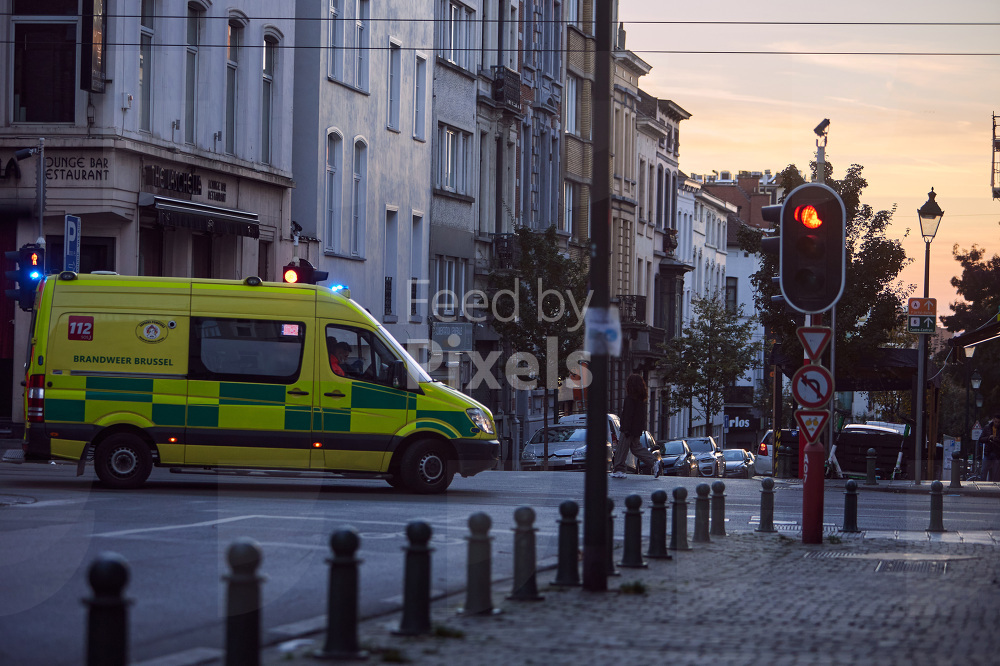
(676, 459)
(709, 455)
(739, 463)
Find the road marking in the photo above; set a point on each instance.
(165, 528)
(192, 657)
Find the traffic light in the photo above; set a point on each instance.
(813, 248)
(772, 245)
(30, 268)
(302, 273)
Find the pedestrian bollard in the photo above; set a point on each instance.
(525, 578)
(342, 599)
(479, 567)
(417, 581)
(872, 457)
(937, 507)
(851, 506)
(243, 603)
(107, 611)
(612, 571)
(766, 506)
(678, 531)
(718, 509)
(568, 571)
(658, 527)
(632, 552)
(956, 469)
(701, 514)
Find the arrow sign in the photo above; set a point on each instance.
(812, 386)
(814, 339)
(811, 422)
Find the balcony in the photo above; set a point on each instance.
(632, 309)
(507, 88)
(506, 251)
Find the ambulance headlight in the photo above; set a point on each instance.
(482, 421)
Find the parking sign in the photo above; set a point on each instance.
(71, 244)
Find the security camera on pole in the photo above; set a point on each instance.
(811, 263)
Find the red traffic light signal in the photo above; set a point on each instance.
(30, 268)
(813, 248)
(302, 273)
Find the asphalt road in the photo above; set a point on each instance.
(175, 533)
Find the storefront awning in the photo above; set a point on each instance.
(201, 217)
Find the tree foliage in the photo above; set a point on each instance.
(872, 303)
(547, 283)
(715, 350)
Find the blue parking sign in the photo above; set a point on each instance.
(71, 244)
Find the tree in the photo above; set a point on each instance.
(872, 303)
(715, 350)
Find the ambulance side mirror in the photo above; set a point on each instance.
(397, 374)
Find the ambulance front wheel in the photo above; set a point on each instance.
(123, 461)
(425, 468)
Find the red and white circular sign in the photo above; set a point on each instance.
(812, 386)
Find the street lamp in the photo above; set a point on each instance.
(930, 215)
(969, 352)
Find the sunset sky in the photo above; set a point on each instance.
(912, 121)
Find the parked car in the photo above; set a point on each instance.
(708, 454)
(676, 459)
(567, 448)
(613, 433)
(739, 463)
(764, 461)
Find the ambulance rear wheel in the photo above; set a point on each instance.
(123, 461)
(425, 469)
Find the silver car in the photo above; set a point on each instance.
(567, 448)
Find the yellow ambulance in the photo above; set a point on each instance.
(136, 372)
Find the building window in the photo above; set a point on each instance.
(361, 46)
(569, 206)
(420, 99)
(571, 101)
(449, 285)
(191, 71)
(334, 190)
(573, 12)
(234, 39)
(358, 198)
(455, 33)
(395, 69)
(453, 159)
(267, 98)
(44, 72)
(336, 24)
(145, 64)
(391, 259)
(416, 260)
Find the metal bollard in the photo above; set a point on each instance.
(851, 506)
(658, 527)
(872, 456)
(243, 603)
(525, 578)
(678, 533)
(107, 611)
(766, 506)
(718, 509)
(956, 469)
(632, 554)
(612, 571)
(342, 599)
(417, 581)
(478, 589)
(937, 507)
(568, 571)
(701, 514)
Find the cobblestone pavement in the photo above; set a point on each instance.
(898, 598)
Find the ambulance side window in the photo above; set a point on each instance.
(369, 359)
(261, 351)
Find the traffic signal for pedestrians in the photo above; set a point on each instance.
(303, 273)
(812, 248)
(29, 261)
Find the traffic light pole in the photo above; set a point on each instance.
(40, 193)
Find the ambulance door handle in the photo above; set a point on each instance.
(298, 391)
(334, 394)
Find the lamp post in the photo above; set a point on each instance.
(976, 381)
(930, 215)
(969, 351)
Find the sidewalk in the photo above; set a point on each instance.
(746, 598)
(969, 488)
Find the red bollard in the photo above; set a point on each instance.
(812, 494)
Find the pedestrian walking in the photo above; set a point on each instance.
(633, 420)
(991, 451)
